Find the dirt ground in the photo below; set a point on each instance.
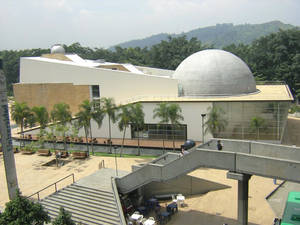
(213, 208)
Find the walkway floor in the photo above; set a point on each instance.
(131, 142)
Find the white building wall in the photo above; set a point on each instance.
(192, 117)
(119, 85)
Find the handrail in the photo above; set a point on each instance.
(118, 203)
(38, 192)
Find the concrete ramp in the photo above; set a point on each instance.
(253, 158)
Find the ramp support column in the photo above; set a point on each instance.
(243, 189)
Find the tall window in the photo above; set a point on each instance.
(95, 91)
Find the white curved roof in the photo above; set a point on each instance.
(214, 72)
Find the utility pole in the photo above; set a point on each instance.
(6, 142)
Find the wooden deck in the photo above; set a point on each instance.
(127, 142)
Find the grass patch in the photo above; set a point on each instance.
(104, 154)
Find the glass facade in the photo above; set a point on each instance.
(160, 131)
(242, 120)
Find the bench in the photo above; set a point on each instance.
(44, 152)
(79, 155)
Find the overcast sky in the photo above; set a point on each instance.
(103, 23)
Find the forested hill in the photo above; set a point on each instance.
(220, 35)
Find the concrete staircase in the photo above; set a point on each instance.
(87, 205)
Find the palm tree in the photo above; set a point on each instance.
(256, 124)
(42, 117)
(85, 115)
(61, 113)
(22, 115)
(124, 121)
(137, 118)
(84, 120)
(175, 117)
(109, 108)
(162, 111)
(215, 122)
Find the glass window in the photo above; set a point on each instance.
(160, 131)
(95, 91)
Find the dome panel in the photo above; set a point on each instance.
(57, 49)
(214, 72)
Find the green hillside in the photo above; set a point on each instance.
(220, 35)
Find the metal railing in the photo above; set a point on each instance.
(54, 184)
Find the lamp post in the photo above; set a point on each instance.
(203, 115)
(116, 162)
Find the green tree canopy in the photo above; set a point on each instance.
(86, 114)
(216, 121)
(175, 116)
(124, 121)
(21, 211)
(63, 218)
(41, 115)
(109, 108)
(137, 118)
(161, 112)
(61, 113)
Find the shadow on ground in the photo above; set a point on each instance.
(193, 217)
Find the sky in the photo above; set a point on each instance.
(26, 24)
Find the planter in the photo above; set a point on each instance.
(44, 152)
(79, 155)
(27, 152)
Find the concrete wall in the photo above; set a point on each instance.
(292, 131)
(119, 85)
(50, 94)
(256, 148)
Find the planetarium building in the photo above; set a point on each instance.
(211, 86)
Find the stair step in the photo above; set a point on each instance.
(96, 191)
(82, 215)
(108, 211)
(87, 193)
(110, 204)
(81, 219)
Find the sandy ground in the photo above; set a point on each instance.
(213, 208)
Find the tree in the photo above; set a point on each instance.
(137, 118)
(85, 115)
(22, 115)
(109, 108)
(256, 124)
(21, 210)
(124, 121)
(61, 114)
(215, 122)
(170, 53)
(175, 117)
(162, 112)
(50, 135)
(42, 117)
(63, 218)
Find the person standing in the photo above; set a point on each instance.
(219, 145)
